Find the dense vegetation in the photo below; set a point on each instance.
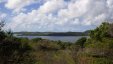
(97, 49)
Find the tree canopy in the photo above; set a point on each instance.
(104, 30)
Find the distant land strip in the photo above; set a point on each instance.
(52, 33)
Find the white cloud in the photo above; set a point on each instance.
(2, 15)
(86, 10)
(110, 3)
(18, 5)
(58, 15)
(51, 5)
(74, 9)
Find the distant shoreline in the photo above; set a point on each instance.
(51, 33)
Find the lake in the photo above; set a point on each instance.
(57, 38)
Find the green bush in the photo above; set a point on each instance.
(36, 39)
(81, 42)
(14, 50)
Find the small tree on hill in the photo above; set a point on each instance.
(2, 33)
(100, 32)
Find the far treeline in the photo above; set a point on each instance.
(52, 33)
(97, 49)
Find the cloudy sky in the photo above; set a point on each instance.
(55, 15)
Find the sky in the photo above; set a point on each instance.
(55, 15)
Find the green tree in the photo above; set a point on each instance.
(2, 33)
(12, 50)
(100, 32)
(111, 30)
(81, 42)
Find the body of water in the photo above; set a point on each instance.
(57, 38)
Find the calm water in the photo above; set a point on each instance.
(56, 38)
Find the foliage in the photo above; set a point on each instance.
(100, 32)
(81, 42)
(99, 47)
(13, 50)
(36, 39)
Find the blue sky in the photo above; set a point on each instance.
(55, 15)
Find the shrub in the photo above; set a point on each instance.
(36, 39)
(81, 42)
